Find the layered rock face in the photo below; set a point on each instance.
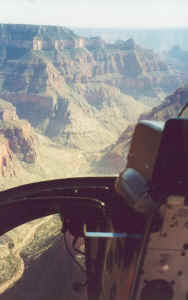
(80, 92)
(36, 37)
(71, 88)
(78, 59)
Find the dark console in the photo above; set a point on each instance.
(155, 182)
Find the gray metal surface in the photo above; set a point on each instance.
(167, 256)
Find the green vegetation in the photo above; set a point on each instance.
(9, 265)
(44, 237)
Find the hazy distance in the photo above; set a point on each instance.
(98, 13)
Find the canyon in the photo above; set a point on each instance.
(72, 96)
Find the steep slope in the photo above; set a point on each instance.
(93, 116)
(67, 113)
(170, 107)
(114, 159)
(18, 142)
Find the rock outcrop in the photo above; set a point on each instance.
(7, 165)
(21, 139)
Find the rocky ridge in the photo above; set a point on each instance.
(114, 159)
(159, 39)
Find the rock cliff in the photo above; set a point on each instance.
(170, 107)
(61, 46)
(7, 166)
(26, 156)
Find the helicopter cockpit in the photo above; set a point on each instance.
(133, 226)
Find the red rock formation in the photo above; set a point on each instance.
(17, 141)
(7, 167)
(21, 140)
